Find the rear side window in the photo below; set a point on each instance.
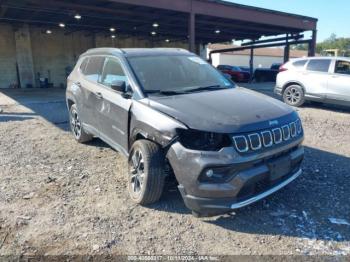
(93, 69)
(319, 65)
(83, 65)
(275, 66)
(342, 67)
(224, 67)
(299, 64)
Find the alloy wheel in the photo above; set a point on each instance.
(137, 172)
(75, 123)
(293, 95)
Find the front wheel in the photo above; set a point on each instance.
(293, 95)
(146, 172)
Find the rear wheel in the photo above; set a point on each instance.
(294, 95)
(146, 172)
(76, 126)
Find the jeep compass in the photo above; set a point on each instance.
(171, 113)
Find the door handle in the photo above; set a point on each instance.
(98, 95)
(335, 76)
(78, 84)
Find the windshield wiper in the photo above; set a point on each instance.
(206, 88)
(165, 92)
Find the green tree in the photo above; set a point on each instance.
(333, 42)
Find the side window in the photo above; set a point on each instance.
(342, 67)
(94, 68)
(83, 65)
(319, 65)
(299, 64)
(113, 71)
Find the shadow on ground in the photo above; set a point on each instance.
(46, 103)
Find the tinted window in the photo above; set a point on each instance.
(342, 67)
(236, 68)
(94, 68)
(112, 71)
(275, 66)
(299, 64)
(319, 65)
(83, 64)
(176, 73)
(224, 67)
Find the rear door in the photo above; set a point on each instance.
(315, 77)
(91, 92)
(114, 113)
(339, 82)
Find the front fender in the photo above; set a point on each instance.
(152, 125)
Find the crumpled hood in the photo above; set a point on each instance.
(225, 111)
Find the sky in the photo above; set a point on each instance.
(333, 16)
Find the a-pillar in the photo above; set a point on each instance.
(24, 57)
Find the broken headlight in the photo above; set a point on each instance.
(205, 141)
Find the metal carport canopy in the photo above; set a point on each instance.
(195, 21)
(223, 9)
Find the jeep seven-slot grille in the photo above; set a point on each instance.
(267, 138)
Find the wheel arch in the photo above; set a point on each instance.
(150, 124)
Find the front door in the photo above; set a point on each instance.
(114, 113)
(339, 83)
(91, 93)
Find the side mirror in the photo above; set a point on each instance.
(119, 86)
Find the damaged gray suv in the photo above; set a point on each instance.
(172, 113)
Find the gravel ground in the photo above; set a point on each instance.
(61, 197)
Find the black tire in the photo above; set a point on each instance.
(294, 95)
(76, 126)
(146, 178)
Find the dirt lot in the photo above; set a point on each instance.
(60, 197)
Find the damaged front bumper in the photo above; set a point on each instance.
(248, 178)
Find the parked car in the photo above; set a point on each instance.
(322, 79)
(236, 73)
(245, 68)
(267, 74)
(171, 113)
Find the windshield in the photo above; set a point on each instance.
(236, 68)
(171, 74)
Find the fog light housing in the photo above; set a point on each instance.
(217, 174)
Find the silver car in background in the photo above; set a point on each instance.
(323, 79)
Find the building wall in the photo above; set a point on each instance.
(54, 55)
(8, 75)
(243, 60)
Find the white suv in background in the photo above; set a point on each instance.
(323, 79)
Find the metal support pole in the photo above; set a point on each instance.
(192, 32)
(251, 64)
(286, 50)
(312, 44)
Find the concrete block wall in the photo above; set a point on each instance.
(53, 55)
(8, 75)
